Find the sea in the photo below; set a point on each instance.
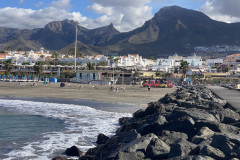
(36, 129)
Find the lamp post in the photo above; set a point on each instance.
(75, 53)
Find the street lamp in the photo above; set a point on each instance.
(75, 53)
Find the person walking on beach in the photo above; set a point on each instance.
(149, 87)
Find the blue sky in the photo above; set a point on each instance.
(124, 14)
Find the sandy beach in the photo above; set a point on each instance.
(133, 95)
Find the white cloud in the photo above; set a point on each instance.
(222, 10)
(28, 18)
(99, 9)
(125, 14)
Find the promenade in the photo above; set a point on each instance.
(231, 96)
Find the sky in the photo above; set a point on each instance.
(125, 15)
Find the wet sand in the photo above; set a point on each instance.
(132, 96)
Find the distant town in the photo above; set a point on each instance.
(34, 65)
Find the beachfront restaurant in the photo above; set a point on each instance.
(96, 77)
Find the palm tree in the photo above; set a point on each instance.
(8, 65)
(90, 66)
(184, 66)
(38, 67)
(111, 59)
(55, 55)
(20, 49)
(9, 48)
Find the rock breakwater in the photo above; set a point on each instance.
(191, 123)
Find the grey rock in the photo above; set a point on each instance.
(152, 108)
(139, 144)
(230, 116)
(196, 114)
(169, 107)
(194, 157)
(216, 127)
(170, 137)
(182, 124)
(228, 143)
(123, 120)
(215, 153)
(157, 149)
(168, 98)
(181, 148)
(102, 139)
(59, 158)
(73, 151)
(202, 135)
(132, 155)
(116, 142)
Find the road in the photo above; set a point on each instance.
(231, 96)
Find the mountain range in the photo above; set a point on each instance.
(172, 29)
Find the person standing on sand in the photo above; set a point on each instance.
(123, 89)
(149, 87)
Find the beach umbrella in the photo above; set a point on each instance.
(16, 77)
(0, 76)
(25, 77)
(22, 76)
(10, 76)
(4, 76)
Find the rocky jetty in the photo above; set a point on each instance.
(191, 123)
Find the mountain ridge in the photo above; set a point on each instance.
(172, 29)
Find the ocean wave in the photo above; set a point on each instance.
(83, 124)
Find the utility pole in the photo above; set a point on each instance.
(75, 53)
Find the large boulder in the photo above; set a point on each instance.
(202, 135)
(151, 109)
(139, 144)
(102, 139)
(168, 98)
(91, 153)
(196, 114)
(170, 137)
(194, 157)
(138, 155)
(210, 151)
(116, 142)
(74, 151)
(123, 120)
(181, 148)
(182, 124)
(226, 115)
(216, 127)
(59, 158)
(228, 143)
(157, 149)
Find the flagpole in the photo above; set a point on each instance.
(75, 53)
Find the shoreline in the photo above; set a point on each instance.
(129, 100)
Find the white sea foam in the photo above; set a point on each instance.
(83, 124)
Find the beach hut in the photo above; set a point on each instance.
(53, 80)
